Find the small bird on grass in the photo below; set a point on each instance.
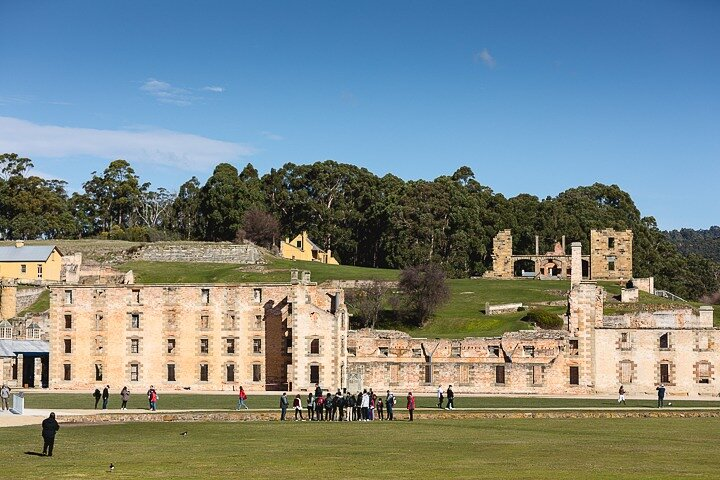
(184, 434)
(112, 468)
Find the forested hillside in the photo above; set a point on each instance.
(705, 243)
(365, 219)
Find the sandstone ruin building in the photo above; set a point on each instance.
(610, 257)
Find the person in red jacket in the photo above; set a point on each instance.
(242, 396)
(410, 405)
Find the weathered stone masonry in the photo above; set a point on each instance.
(205, 337)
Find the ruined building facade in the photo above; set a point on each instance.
(198, 337)
(610, 257)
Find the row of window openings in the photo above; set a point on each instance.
(703, 372)
(23, 269)
(135, 321)
(536, 372)
(171, 372)
(455, 351)
(135, 293)
(172, 344)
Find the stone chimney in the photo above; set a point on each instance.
(19, 243)
(706, 316)
(576, 264)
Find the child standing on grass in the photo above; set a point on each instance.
(410, 405)
(311, 406)
(379, 408)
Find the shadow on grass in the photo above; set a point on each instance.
(36, 454)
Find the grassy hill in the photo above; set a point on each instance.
(461, 316)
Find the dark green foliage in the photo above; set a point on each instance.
(366, 220)
(424, 290)
(544, 319)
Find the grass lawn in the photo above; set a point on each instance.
(276, 270)
(40, 305)
(534, 448)
(196, 401)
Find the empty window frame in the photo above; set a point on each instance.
(257, 372)
(574, 375)
(203, 372)
(664, 373)
(230, 345)
(67, 371)
(205, 295)
(171, 344)
(68, 297)
(68, 345)
(230, 372)
(314, 373)
(500, 374)
(134, 320)
(257, 345)
(68, 321)
(171, 372)
(134, 345)
(315, 347)
(204, 322)
(204, 345)
(134, 372)
(665, 341)
(494, 350)
(98, 372)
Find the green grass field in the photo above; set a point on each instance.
(196, 401)
(667, 448)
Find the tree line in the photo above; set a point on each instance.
(365, 219)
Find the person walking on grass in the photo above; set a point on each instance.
(4, 395)
(283, 406)
(50, 427)
(450, 398)
(621, 395)
(297, 405)
(242, 396)
(440, 397)
(125, 396)
(661, 394)
(105, 396)
(410, 405)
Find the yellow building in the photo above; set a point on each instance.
(36, 262)
(302, 248)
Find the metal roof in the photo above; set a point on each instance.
(33, 253)
(10, 348)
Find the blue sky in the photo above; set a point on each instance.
(535, 97)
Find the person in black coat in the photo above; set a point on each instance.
(105, 396)
(49, 429)
(97, 395)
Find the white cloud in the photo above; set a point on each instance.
(272, 136)
(166, 93)
(214, 89)
(155, 146)
(485, 57)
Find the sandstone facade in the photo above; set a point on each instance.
(199, 337)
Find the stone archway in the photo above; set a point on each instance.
(524, 268)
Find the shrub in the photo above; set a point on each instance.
(544, 319)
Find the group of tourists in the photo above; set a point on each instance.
(124, 397)
(364, 406)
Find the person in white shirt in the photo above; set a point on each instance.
(440, 397)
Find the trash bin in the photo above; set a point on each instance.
(18, 403)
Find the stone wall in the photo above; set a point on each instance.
(611, 254)
(26, 297)
(502, 256)
(199, 252)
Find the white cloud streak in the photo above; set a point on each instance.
(485, 57)
(214, 89)
(154, 146)
(166, 93)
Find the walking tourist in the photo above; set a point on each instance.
(621, 395)
(440, 397)
(50, 427)
(242, 396)
(450, 398)
(311, 406)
